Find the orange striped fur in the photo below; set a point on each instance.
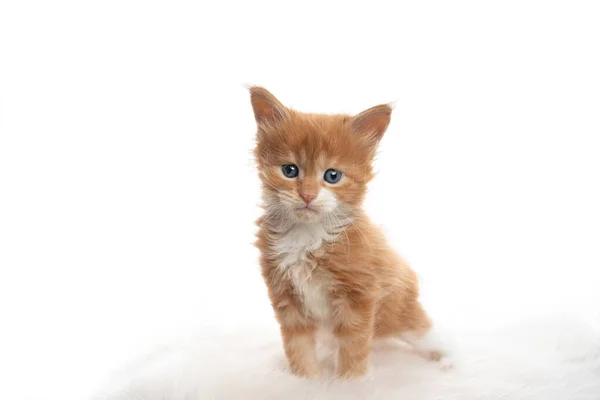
(324, 263)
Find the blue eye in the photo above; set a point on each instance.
(290, 170)
(332, 175)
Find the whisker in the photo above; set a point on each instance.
(345, 233)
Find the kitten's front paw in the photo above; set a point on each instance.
(353, 371)
(306, 370)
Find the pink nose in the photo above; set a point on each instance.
(307, 198)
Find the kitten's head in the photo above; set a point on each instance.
(314, 167)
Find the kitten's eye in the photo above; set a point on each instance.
(290, 170)
(332, 175)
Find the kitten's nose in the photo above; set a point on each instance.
(308, 198)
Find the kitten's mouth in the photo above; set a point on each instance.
(306, 212)
(306, 209)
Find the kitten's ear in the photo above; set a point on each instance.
(266, 106)
(373, 122)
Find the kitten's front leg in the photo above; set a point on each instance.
(354, 316)
(298, 332)
(299, 342)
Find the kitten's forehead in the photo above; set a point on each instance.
(314, 159)
(312, 139)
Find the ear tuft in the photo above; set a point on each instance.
(266, 106)
(373, 122)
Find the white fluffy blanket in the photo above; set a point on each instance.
(546, 359)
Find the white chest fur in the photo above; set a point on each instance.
(311, 285)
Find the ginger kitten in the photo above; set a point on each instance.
(324, 263)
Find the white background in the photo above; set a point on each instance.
(128, 192)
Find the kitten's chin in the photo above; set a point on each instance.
(307, 215)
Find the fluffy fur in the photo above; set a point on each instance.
(324, 263)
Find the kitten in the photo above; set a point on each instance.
(324, 263)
